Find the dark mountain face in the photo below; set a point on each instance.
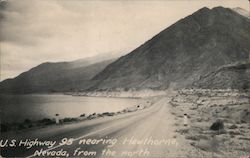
(54, 77)
(182, 53)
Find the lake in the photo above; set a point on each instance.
(17, 108)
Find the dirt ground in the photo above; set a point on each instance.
(204, 107)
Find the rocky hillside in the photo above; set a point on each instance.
(242, 12)
(236, 76)
(182, 53)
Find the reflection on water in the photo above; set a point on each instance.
(16, 108)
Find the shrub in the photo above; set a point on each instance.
(217, 125)
(46, 121)
(82, 115)
(69, 119)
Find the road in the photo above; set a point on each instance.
(145, 133)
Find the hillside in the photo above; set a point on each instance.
(54, 77)
(242, 12)
(182, 53)
(236, 76)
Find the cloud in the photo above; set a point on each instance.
(36, 31)
(23, 24)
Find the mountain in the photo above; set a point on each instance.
(55, 77)
(236, 76)
(182, 53)
(242, 12)
(196, 50)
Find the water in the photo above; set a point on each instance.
(17, 108)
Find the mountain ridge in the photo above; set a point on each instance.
(53, 77)
(176, 57)
(242, 12)
(181, 53)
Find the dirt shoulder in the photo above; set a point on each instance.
(204, 108)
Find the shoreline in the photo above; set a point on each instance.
(136, 94)
(29, 125)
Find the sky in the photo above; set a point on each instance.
(37, 31)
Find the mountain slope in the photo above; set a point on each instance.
(242, 12)
(235, 76)
(180, 54)
(54, 77)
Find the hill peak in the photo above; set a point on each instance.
(215, 10)
(204, 9)
(181, 53)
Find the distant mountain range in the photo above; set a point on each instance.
(179, 56)
(56, 77)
